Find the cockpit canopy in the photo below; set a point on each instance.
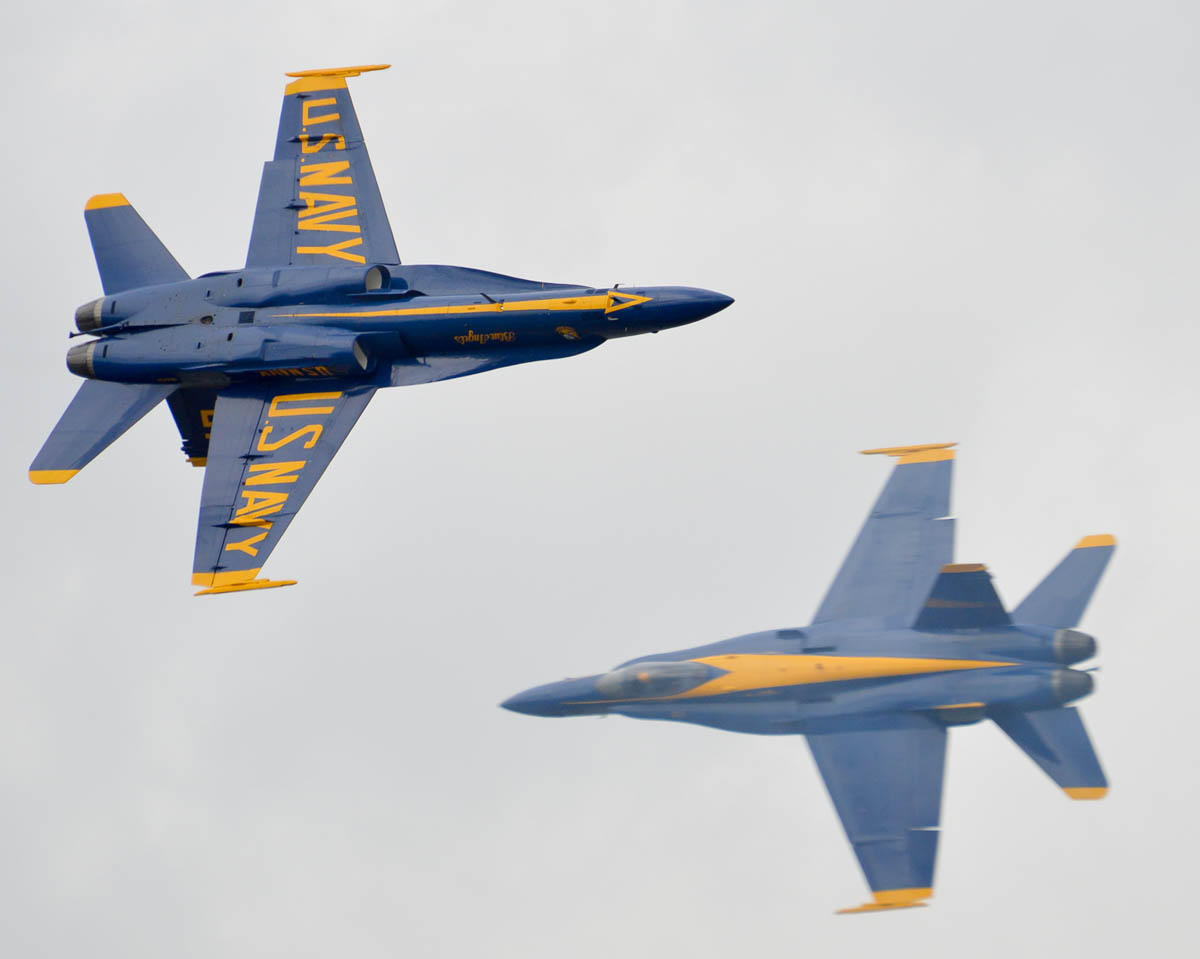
(652, 680)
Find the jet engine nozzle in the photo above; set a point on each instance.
(81, 359)
(1071, 684)
(1072, 646)
(90, 316)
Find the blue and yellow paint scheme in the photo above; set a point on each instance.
(905, 645)
(266, 369)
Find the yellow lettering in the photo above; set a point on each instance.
(247, 545)
(318, 204)
(259, 503)
(323, 174)
(277, 410)
(206, 418)
(309, 120)
(323, 222)
(336, 249)
(326, 138)
(276, 473)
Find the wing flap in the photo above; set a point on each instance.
(269, 447)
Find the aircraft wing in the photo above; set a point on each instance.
(907, 538)
(886, 784)
(319, 204)
(269, 445)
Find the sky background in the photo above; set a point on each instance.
(941, 221)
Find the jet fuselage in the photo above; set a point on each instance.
(791, 681)
(309, 323)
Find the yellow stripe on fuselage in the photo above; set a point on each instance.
(575, 303)
(764, 671)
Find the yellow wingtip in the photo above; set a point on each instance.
(334, 78)
(102, 201)
(891, 899)
(242, 587)
(1101, 539)
(1086, 792)
(339, 71)
(224, 579)
(198, 460)
(922, 453)
(50, 477)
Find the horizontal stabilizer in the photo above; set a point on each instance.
(1061, 598)
(128, 254)
(1057, 741)
(962, 597)
(98, 415)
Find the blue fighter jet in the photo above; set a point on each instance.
(266, 369)
(905, 645)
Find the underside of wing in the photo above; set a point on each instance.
(269, 447)
(907, 538)
(884, 776)
(319, 203)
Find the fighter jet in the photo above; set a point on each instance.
(266, 369)
(905, 645)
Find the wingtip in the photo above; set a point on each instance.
(227, 578)
(242, 587)
(50, 477)
(921, 453)
(1086, 792)
(891, 899)
(102, 201)
(339, 71)
(328, 78)
(1100, 539)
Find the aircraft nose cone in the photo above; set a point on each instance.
(705, 303)
(527, 703)
(679, 305)
(571, 697)
(719, 302)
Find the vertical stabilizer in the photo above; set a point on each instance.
(128, 254)
(1061, 598)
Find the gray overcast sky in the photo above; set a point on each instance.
(941, 221)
